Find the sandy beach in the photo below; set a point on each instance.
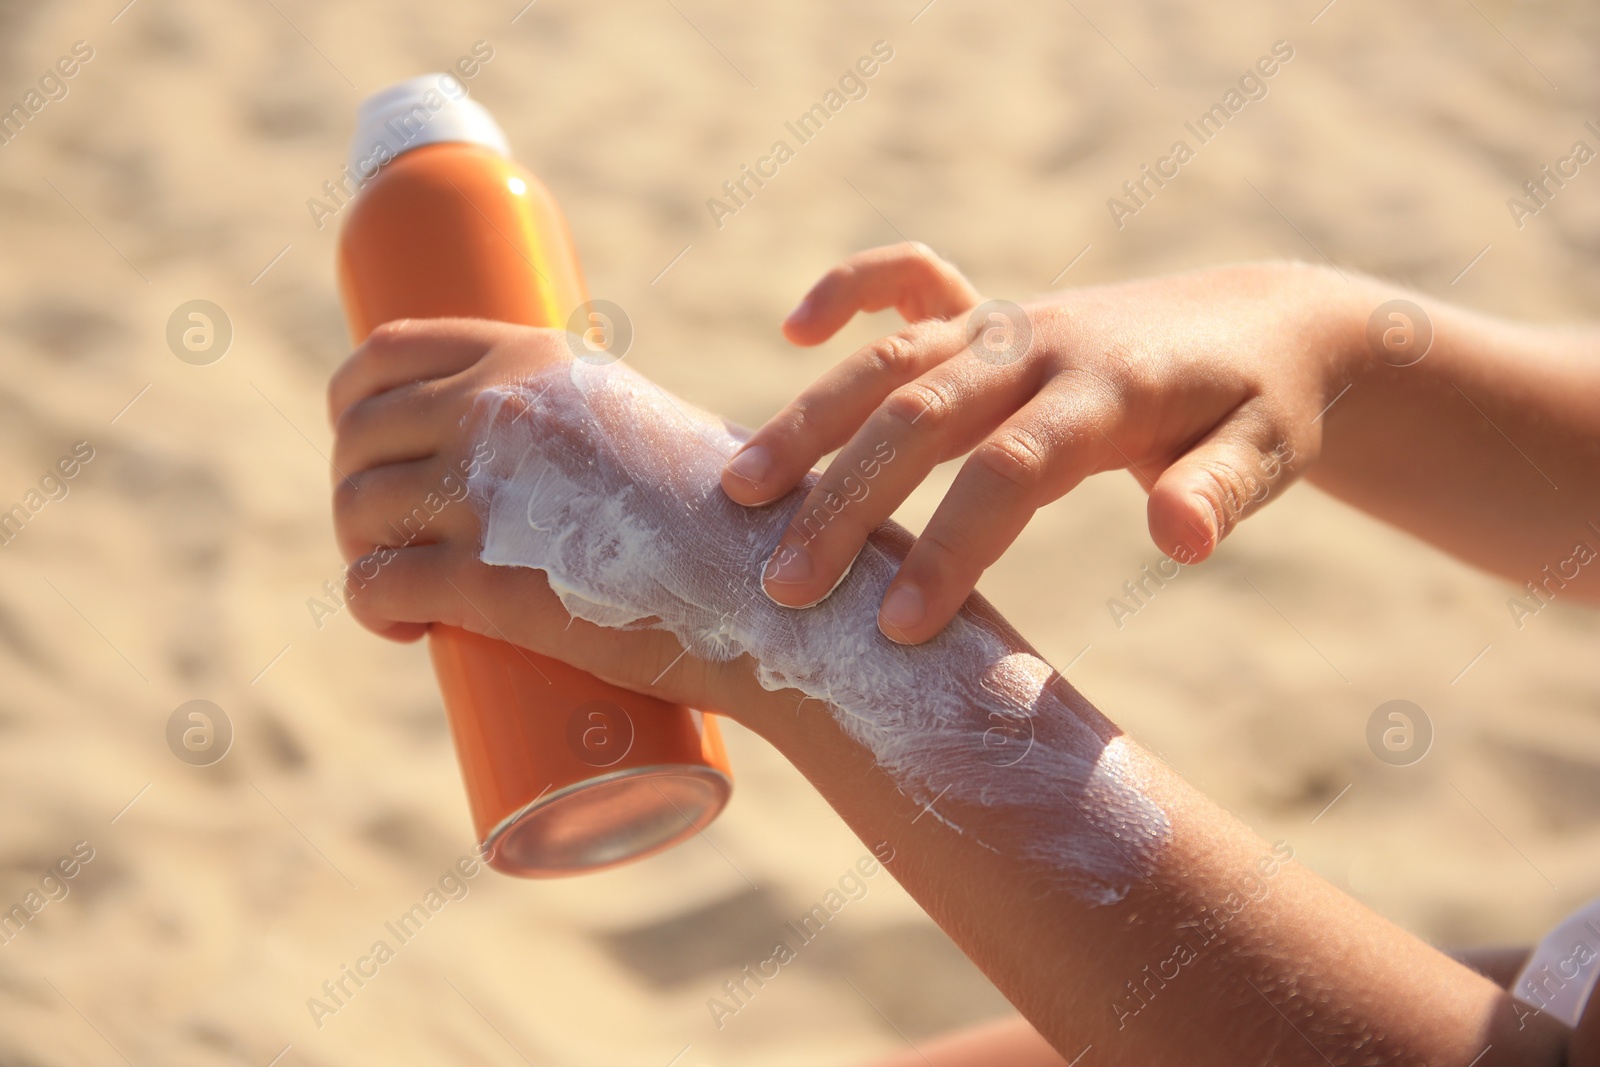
(183, 160)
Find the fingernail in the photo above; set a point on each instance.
(790, 565)
(752, 465)
(903, 609)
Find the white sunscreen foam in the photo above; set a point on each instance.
(611, 487)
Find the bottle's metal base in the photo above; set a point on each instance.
(605, 821)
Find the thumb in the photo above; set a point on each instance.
(1203, 495)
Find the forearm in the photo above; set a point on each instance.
(1114, 905)
(1222, 950)
(1488, 446)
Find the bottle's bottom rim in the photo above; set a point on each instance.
(608, 820)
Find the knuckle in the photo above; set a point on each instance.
(388, 334)
(1017, 454)
(924, 259)
(1122, 372)
(361, 578)
(894, 356)
(1283, 458)
(1231, 491)
(796, 422)
(946, 560)
(922, 404)
(345, 496)
(542, 343)
(939, 548)
(337, 383)
(837, 277)
(348, 425)
(1056, 316)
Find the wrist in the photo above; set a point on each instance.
(736, 694)
(1332, 311)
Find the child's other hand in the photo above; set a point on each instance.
(411, 535)
(1206, 386)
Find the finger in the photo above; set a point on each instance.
(409, 350)
(909, 277)
(1232, 471)
(440, 583)
(405, 423)
(398, 592)
(919, 425)
(781, 453)
(1058, 439)
(404, 632)
(420, 502)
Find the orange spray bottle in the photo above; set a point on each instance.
(564, 773)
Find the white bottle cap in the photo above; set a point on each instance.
(423, 110)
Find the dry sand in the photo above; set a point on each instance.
(179, 566)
